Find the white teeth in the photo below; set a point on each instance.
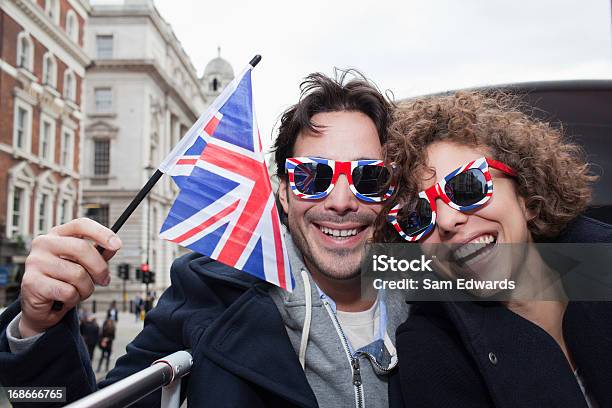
(338, 232)
(474, 245)
(483, 239)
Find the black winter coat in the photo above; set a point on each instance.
(480, 354)
(242, 354)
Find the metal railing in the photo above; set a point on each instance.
(165, 373)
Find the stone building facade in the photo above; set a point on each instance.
(142, 95)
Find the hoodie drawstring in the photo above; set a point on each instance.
(307, 318)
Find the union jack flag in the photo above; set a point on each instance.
(225, 208)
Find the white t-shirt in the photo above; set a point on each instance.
(360, 328)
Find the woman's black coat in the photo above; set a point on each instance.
(479, 354)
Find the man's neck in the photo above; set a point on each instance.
(346, 293)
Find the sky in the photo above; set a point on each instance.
(406, 47)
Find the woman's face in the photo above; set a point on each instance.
(476, 237)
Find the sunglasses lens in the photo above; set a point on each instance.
(413, 220)
(312, 178)
(371, 181)
(467, 188)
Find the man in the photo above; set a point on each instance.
(253, 344)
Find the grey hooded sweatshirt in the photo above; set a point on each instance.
(338, 375)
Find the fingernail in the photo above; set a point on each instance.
(114, 242)
(106, 280)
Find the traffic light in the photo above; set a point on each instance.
(138, 274)
(124, 271)
(148, 277)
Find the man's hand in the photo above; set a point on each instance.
(64, 265)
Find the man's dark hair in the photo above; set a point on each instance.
(320, 93)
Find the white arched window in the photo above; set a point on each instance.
(44, 202)
(72, 26)
(66, 201)
(52, 9)
(49, 70)
(25, 51)
(21, 180)
(69, 86)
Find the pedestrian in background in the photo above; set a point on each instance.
(137, 307)
(90, 331)
(106, 342)
(148, 303)
(112, 312)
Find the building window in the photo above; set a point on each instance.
(101, 157)
(97, 212)
(43, 213)
(153, 151)
(17, 216)
(214, 85)
(103, 99)
(69, 86)
(52, 10)
(67, 144)
(47, 138)
(21, 123)
(22, 126)
(72, 26)
(49, 70)
(25, 51)
(64, 211)
(104, 46)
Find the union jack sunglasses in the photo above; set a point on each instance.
(464, 189)
(313, 178)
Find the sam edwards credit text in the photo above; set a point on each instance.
(433, 284)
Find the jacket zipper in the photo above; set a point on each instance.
(381, 369)
(353, 361)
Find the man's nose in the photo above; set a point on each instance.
(341, 199)
(449, 221)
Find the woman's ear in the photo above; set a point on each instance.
(528, 213)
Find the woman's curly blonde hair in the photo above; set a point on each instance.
(553, 175)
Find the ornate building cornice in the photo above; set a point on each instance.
(164, 29)
(151, 68)
(38, 16)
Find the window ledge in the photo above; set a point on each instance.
(19, 153)
(51, 89)
(102, 115)
(72, 104)
(25, 72)
(46, 163)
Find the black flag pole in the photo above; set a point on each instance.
(144, 191)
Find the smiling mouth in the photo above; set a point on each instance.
(340, 233)
(475, 250)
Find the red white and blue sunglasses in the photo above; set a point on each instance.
(313, 178)
(465, 189)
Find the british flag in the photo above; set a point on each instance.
(226, 208)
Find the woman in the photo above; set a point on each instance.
(106, 341)
(452, 150)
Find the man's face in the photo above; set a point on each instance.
(318, 226)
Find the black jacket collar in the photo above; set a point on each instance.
(249, 338)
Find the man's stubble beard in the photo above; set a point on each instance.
(342, 270)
